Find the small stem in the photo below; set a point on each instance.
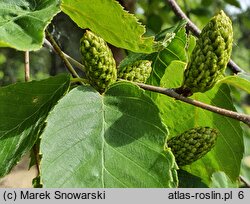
(79, 80)
(242, 179)
(58, 50)
(171, 93)
(35, 150)
(196, 31)
(70, 59)
(27, 66)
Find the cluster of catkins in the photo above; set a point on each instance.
(206, 65)
(100, 66)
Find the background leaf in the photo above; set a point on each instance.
(162, 59)
(169, 52)
(115, 140)
(237, 81)
(220, 180)
(191, 45)
(233, 2)
(108, 19)
(179, 117)
(22, 22)
(23, 109)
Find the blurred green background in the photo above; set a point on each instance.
(155, 15)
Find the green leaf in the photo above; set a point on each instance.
(179, 117)
(173, 29)
(108, 19)
(23, 109)
(191, 45)
(206, 3)
(22, 22)
(205, 11)
(238, 82)
(233, 2)
(154, 22)
(114, 140)
(162, 59)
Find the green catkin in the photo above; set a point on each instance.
(137, 72)
(192, 144)
(210, 56)
(100, 67)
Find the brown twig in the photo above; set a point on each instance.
(170, 92)
(35, 148)
(58, 50)
(178, 11)
(26, 66)
(196, 31)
